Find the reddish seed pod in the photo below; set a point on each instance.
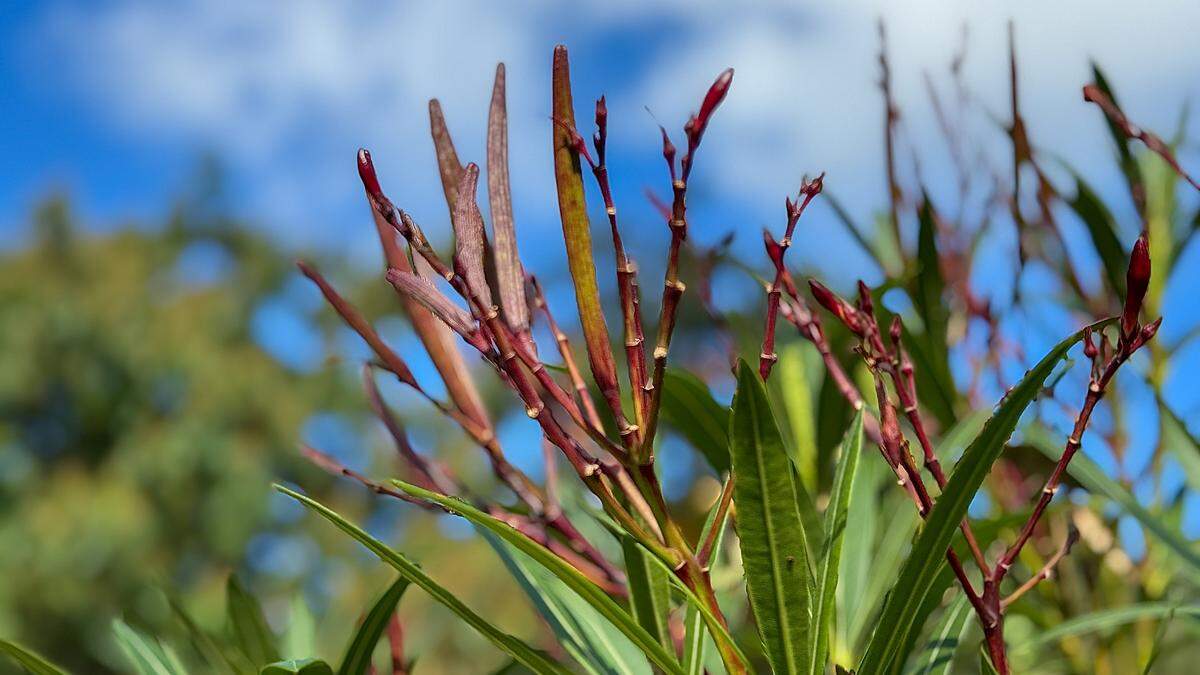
(1137, 279)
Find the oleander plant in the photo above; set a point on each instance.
(900, 487)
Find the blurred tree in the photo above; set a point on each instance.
(140, 422)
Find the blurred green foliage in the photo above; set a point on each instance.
(139, 422)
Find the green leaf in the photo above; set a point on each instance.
(298, 667)
(831, 550)
(860, 555)
(929, 349)
(1102, 227)
(573, 578)
(944, 642)
(690, 409)
(1103, 620)
(145, 653)
(774, 550)
(1129, 166)
(358, 654)
(908, 634)
(301, 634)
(582, 632)
(797, 396)
(649, 592)
(715, 628)
(1179, 441)
(695, 642)
(1158, 640)
(29, 660)
(510, 645)
(250, 629)
(1092, 477)
(918, 576)
(985, 663)
(218, 656)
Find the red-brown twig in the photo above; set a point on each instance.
(1093, 94)
(673, 287)
(511, 356)
(776, 250)
(1046, 571)
(627, 283)
(564, 351)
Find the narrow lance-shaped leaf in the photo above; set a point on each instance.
(774, 550)
(147, 656)
(689, 407)
(944, 642)
(307, 666)
(577, 231)
(695, 639)
(1092, 477)
(514, 647)
(930, 349)
(1103, 230)
(1129, 165)
(250, 628)
(1102, 620)
(218, 656)
(358, 653)
(29, 660)
(582, 632)
(731, 653)
(798, 402)
(649, 591)
(573, 578)
(831, 550)
(909, 600)
(510, 277)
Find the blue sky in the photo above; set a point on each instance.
(113, 101)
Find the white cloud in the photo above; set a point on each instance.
(286, 91)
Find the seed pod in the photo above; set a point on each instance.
(469, 244)
(431, 298)
(510, 277)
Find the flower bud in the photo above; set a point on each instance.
(1089, 347)
(774, 249)
(864, 298)
(1137, 279)
(366, 172)
(712, 99)
(1150, 330)
(837, 306)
